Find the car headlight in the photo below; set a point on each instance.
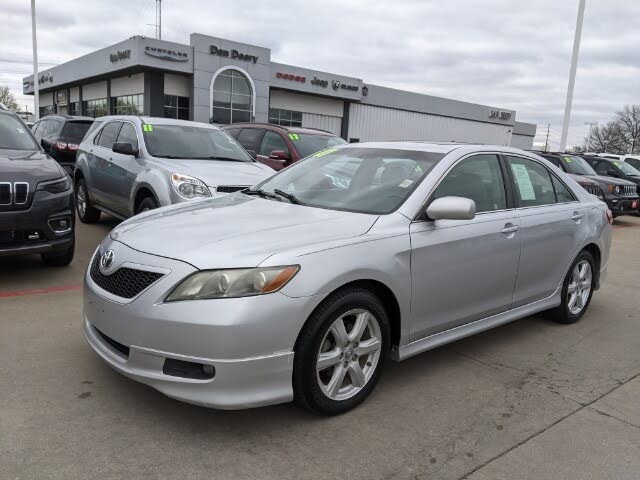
(56, 186)
(189, 187)
(233, 283)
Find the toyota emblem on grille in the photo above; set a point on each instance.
(107, 259)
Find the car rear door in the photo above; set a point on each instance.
(552, 228)
(465, 270)
(102, 174)
(123, 170)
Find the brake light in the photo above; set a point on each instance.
(72, 146)
(61, 146)
(609, 217)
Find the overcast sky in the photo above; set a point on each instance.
(505, 53)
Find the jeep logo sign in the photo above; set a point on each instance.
(233, 54)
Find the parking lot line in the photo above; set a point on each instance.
(21, 293)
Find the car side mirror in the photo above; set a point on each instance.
(279, 155)
(452, 208)
(124, 149)
(252, 153)
(46, 144)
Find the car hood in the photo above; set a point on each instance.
(220, 172)
(30, 167)
(582, 179)
(236, 230)
(609, 180)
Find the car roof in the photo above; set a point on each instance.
(438, 147)
(156, 120)
(305, 130)
(68, 117)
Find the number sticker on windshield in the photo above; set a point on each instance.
(567, 159)
(617, 164)
(294, 136)
(147, 128)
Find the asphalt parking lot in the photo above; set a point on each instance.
(531, 399)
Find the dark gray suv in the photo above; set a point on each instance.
(127, 165)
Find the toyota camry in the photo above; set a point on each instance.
(300, 287)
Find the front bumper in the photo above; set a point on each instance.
(248, 341)
(19, 224)
(623, 205)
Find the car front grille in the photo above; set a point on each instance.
(21, 190)
(5, 193)
(593, 190)
(14, 194)
(230, 188)
(123, 349)
(124, 282)
(629, 191)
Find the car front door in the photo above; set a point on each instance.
(102, 174)
(250, 139)
(123, 170)
(552, 228)
(273, 142)
(465, 270)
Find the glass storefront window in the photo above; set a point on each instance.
(74, 108)
(232, 98)
(47, 110)
(95, 108)
(286, 118)
(176, 107)
(128, 104)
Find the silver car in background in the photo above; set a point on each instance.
(300, 287)
(127, 165)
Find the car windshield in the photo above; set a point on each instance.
(75, 131)
(14, 135)
(307, 144)
(627, 169)
(578, 165)
(365, 180)
(192, 142)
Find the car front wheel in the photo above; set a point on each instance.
(340, 352)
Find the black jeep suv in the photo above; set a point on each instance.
(36, 197)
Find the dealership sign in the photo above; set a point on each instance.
(292, 77)
(166, 54)
(120, 55)
(499, 115)
(233, 54)
(44, 78)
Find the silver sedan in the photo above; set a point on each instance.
(300, 287)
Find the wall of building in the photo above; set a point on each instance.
(94, 91)
(129, 85)
(179, 85)
(372, 123)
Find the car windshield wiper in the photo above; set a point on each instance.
(213, 157)
(289, 196)
(259, 192)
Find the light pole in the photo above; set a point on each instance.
(36, 97)
(591, 125)
(572, 77)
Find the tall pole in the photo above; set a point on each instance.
(572, 77)
(546, 142)
(591, 125)
(159, 19)
(36, 97)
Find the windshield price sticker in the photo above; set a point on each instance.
(147, 128)
(524, 182)
(617, 164)
(324, 152)
(294, 136)
(567, 159)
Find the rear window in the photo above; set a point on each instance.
(75, 130)
(309, 144)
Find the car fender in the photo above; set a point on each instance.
(151, 179)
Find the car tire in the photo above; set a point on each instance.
(147, 203)
(59, 259)
(352, 359)
(86, 212)
(577, 290)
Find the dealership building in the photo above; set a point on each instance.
(222, 81)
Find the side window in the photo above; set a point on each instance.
(533, 182)
(109, 134)
(270, 142)
(563, 194)
(128, 135)
(479, 178)
(249, 138)
(37, 129)
(233, 131)
(554, 160)
(51, 128)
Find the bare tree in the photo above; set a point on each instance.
(629, 121)
(607, 138)
(8, 98)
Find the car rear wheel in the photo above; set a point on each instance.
(59, 259)
(577, 290)
(86, 213)
(148, 203)
(340, 352)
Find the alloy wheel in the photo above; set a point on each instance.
(82, 200)
(349, 354)
(579, 287)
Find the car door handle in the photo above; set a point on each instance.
(577, 216)
(510, 228)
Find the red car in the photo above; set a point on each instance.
(279, 146)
